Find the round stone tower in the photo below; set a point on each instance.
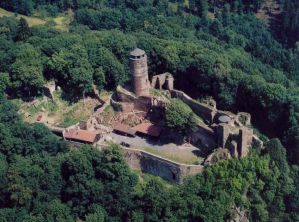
(139, 72)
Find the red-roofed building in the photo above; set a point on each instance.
(124, 129)
(148, 129)
(81, 136)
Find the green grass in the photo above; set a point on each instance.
(60, 112)
(32, 21)
(179, 158)
(108, 109)
(68, 121)
(155, 92)
(144, 178)
(62, 21)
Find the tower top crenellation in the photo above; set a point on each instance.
(137, 53)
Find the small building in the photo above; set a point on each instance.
(124, 130)
(81, 136)
(148, 129)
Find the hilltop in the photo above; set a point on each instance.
(211, 64)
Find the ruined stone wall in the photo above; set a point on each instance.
(245, 141)
(124, 95)
(143, 103)
(125, 101)
(223, 133)
(205, 111)
(150, 163)
(117, 106)
(161, 81)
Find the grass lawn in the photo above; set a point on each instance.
(179, 157)
(62, 22)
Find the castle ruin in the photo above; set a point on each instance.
(219, 134)
(223, 129)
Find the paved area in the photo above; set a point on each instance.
(185, 152)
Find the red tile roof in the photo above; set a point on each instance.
(148, 129)
(124, 129)
(80, 135)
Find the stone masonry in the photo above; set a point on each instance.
(163, 81)
(139, 72)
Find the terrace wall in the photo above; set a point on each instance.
(168, 170)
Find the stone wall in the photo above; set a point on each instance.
(245, 141)
(163, 81)
(203, 110)
(117, 106)
(124, 95)
(123, 100)
(143, 103)
(150, 163)
(223, 133)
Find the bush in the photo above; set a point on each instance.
(180, 116)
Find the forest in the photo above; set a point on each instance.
(213, 48)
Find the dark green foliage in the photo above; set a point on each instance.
(4, 81)
(42, 178)
(293, 199)
(246, 6)
(202, 8)
(180, 116)
(8, 28)
(103, 59)
(73, 68)
(289, 22)
(99, 78)
(21, 6)
(27, 72)
(23, 31)
(99, 19)
(233, 58)
(97, 214)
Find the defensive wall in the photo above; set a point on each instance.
(203, 110)
(156, 165)
(149, 163)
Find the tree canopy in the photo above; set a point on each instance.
(215, 48)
